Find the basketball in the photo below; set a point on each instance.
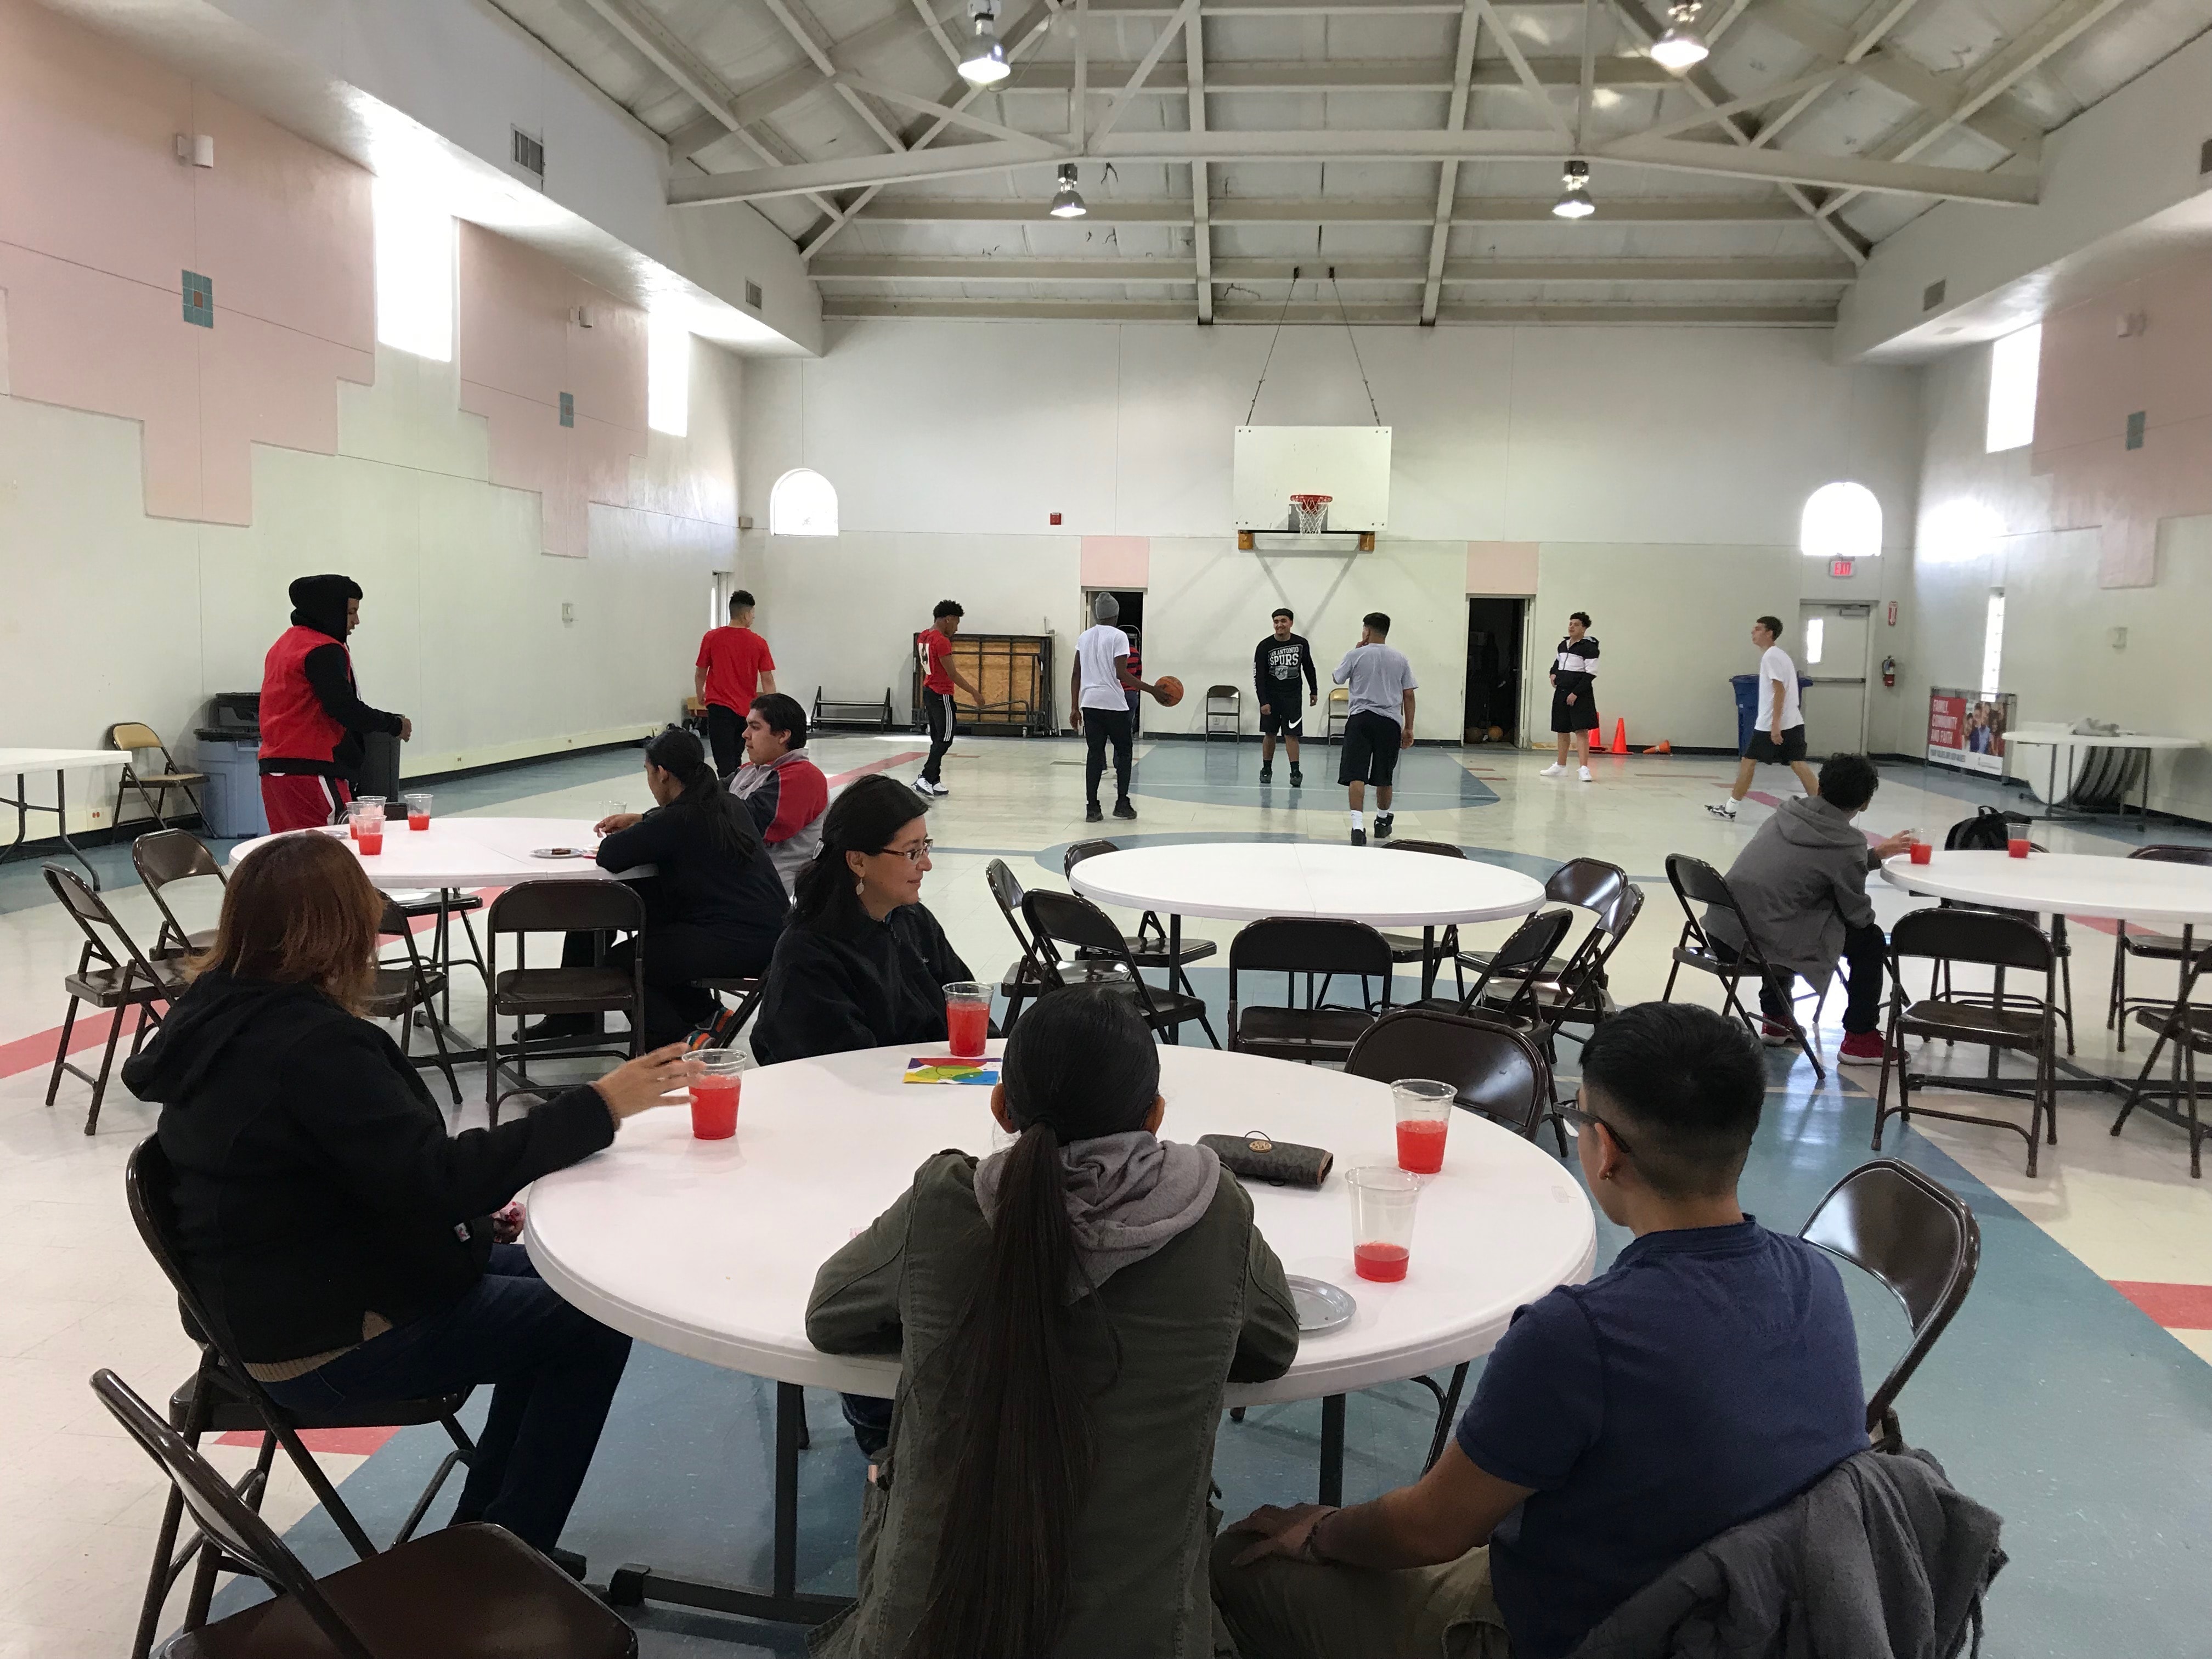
(1169, 690)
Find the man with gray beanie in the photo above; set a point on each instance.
(1098, 689)
(313, 719)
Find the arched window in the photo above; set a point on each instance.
(1841, 521)
(802, 504)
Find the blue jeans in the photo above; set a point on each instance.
(553, 1372)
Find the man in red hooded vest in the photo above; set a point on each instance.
(312, 721)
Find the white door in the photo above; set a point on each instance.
(1831, 653)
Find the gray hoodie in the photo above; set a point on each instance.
(1801, 882)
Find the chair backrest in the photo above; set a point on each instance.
(167, 855)
(561, 907)
(1303, 944)
(223, 1516)
(1914, 1235)
(131, 734)
(1084, 849)
(1072, 920)
(149, 1188)
(1441, 850)
(1496, 1071)
(2170, 854)
(107, 940)
(1008, 894)
(1586, 883)
(1695, 882)
(1531, 945)
(1990, 938)
(1231, 692)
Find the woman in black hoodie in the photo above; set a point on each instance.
(330, 1224)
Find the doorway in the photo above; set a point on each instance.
(1132, 622)
(1832, 657)
(1496, 634)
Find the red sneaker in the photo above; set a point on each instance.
(1865, 1048)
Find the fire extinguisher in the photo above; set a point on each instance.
(1889, 671)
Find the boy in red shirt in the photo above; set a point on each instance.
(313, 719)
(934, 646)
(734, 666)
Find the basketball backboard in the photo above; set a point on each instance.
(1349, 464)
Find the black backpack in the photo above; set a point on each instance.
(1987, 831)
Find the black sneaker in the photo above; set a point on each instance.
(562, 1028)
(1267, 774)
(1092, 815)
(1298, 778)
(1360, 838)
(1384, 821)
(1123, 810)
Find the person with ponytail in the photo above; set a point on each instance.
(1067, 1315)
(714, 906)
(863, 964)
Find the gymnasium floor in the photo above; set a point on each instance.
(2072, 1393)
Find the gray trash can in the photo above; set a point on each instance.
(229, 749)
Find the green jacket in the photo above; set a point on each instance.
(1209, 1308)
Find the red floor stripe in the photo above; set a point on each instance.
(349, 1442)
(882, 765)
(31, 1053)
(2177, 1307)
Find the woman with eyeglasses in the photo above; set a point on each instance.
(863, 964)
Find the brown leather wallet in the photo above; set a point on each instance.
(1255, 1156)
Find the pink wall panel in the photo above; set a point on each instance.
(512, 323)
(1501, 567)
(607, 360)
(2092, 378)
(1115, 561)
(260, 383)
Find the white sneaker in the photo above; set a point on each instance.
(1551, 771)
(1586, 777)
(924, 786)
(1727, 811)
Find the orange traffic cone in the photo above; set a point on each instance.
(1621, 737)
(1662, 747)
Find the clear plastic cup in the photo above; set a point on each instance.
(1383, 1200)
(715, 1094)
(2017, 846)
(418, 809)
(349, 815)
(609, 808)
(369, 820)
(966, 1018)
(1423, 1120)
(1923, 852)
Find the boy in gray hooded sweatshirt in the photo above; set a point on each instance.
(1802, 883)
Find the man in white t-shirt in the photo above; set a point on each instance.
(1779, 736)
(1098, 690)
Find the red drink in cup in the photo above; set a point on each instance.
(1383, 1200)
(966, 1018)
(372, 839)
(418, 811)
(1923, 852)
(2017, 846)
(352, 822)
(1424, 1121)
(714, 1096)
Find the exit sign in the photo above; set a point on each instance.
(1842, 566)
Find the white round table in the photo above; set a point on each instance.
(1244, 881)
(2069, 754)
(469, 851)
(2064, 884)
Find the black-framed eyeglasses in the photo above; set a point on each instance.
(1581, 1120)
(913, 855)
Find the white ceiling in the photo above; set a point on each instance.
(1879, 94)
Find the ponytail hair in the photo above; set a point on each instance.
(681, 755)
(866, 818)
(1079, 1064)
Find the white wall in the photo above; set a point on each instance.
(1661, 469)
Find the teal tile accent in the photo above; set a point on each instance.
(2136, 429)
(568, 409)
(199, 299)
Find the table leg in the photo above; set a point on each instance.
(23, 806)
(59, 809)
(1428, 963)
(1332, 1449)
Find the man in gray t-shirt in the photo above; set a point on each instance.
(1380, 724)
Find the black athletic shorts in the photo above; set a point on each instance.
(1370, 748)
(1580, 715)
(1764, 747)
(1288, 718)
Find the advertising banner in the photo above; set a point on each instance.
(1967, 731)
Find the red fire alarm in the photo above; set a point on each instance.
(1841, 567)
(1055, 518)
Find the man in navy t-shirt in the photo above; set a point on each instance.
(1710, 1375)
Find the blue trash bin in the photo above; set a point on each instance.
(1746, 709)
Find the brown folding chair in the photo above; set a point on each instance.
(1433, 946)
(2000, 1020)
(2151, 947)
(1148, 946)
(1516, 965)
(131, 736)
(221, 1397)
(2187, 1025)
(466, 1592)
(162, 859)
(1695, 882)
(1918, 1238)
(405, 984)
(1027, 979)
(1067, 919)
(523, 992)
(111, 974)
(1316, 947)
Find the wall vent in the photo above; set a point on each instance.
(753, 295)
(529, 154)
(1932, 296)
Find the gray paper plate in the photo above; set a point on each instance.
(1321, 1306)
(561, 852)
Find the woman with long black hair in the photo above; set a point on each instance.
(714, 906)
(863, 964)
(1067, 1314)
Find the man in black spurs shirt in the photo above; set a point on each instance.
(1277, 662)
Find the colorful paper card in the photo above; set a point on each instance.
(932, 1068)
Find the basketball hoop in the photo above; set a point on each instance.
(1310, 514)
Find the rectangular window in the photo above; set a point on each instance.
(1993, 643)
(667, 376)
(414, 272)
(2012, 388)
(1816, 629)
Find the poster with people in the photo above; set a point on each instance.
(1967, 731)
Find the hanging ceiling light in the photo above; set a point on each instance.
(985, 62)
(1682, 47)
(1574, 201)
(1068, 201)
